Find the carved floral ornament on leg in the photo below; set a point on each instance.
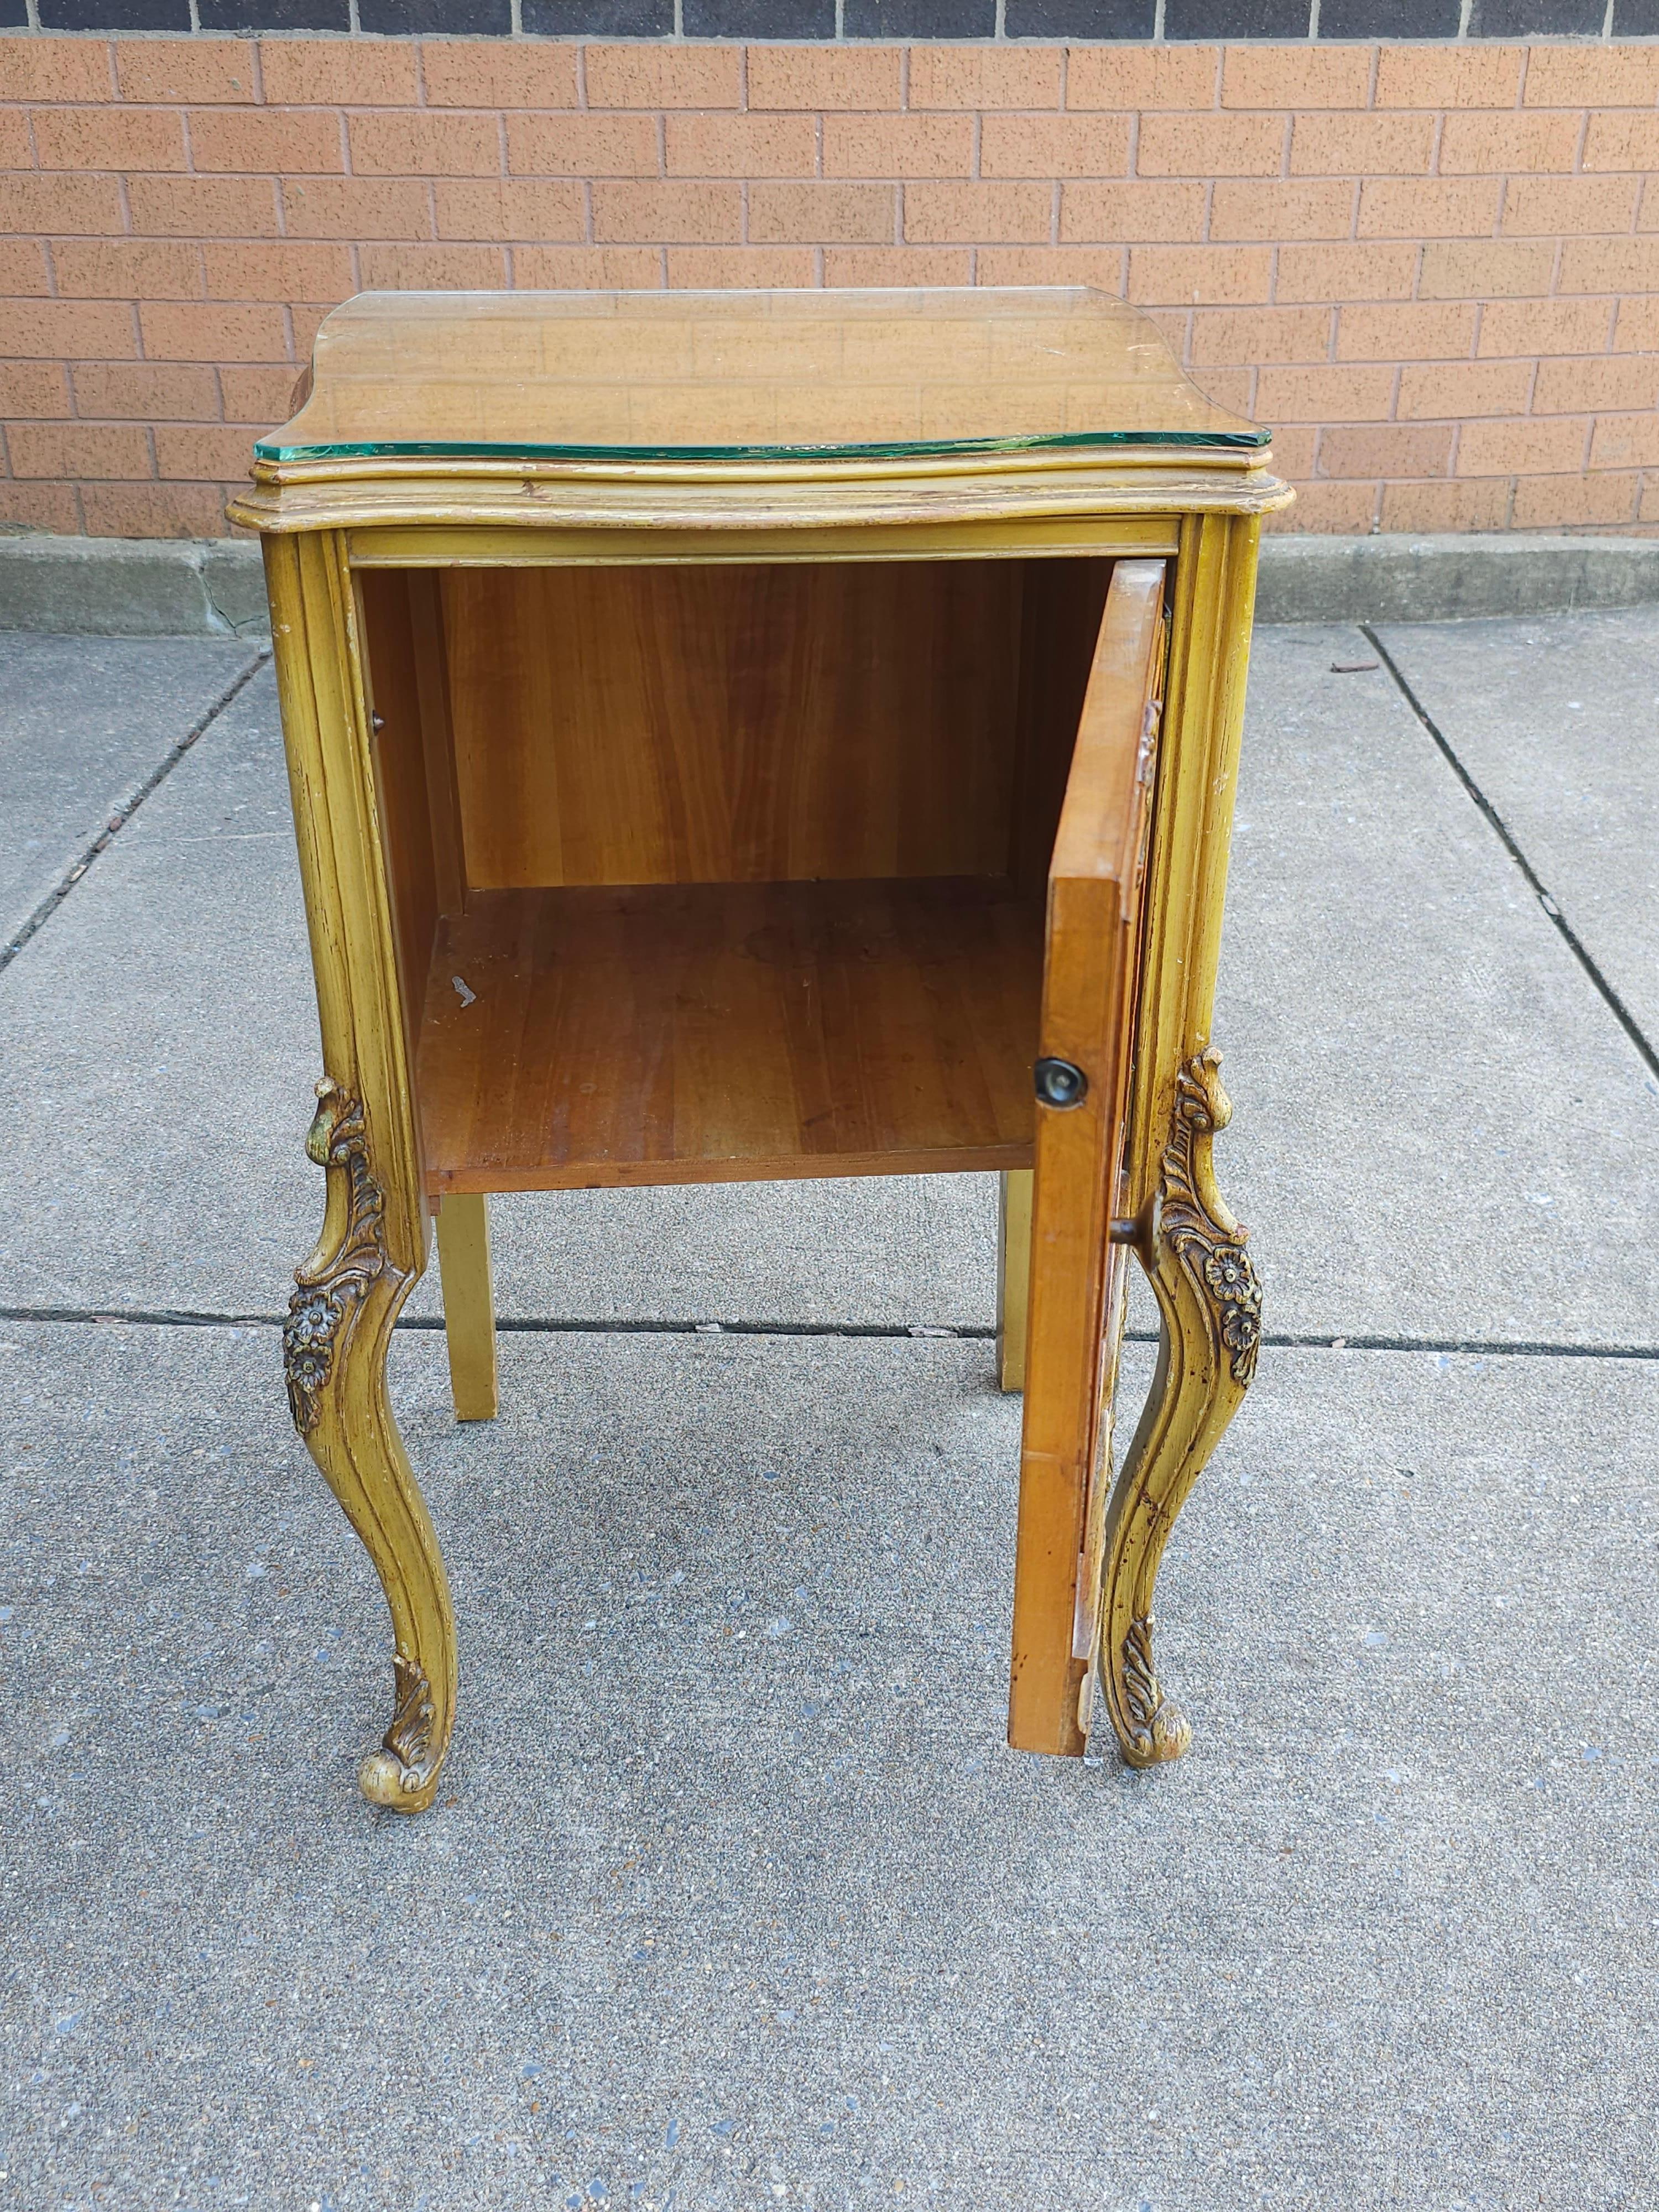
(1212, 1254)
(1211, 1301)
(329, 1293)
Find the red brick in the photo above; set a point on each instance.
(1478, 75)
(16, 148)
(1545, 326)
(1270, 211)
(23, 270)
(55, 69)
(664, 76)
(195, 72)
(427, 143)
(78, 450)
(1346, 272)
(898, 145)
(983, 77)
(583, 145)
(1628, 140)
(1324, 394)
(680, 214)
(153, 510)
(279, 140)
(1609, 384)
(127, 268)
(1619, 75)
(1362, 145)
(68, 330)
(739, 268)
(1293, 452)
(53, 508)
(1232, 388)
(823, 78)
(259, 396)
(1254, 334)
(1296, 76)
(820, 214)
(146, 392)
(1100, 265)
(1387, 449)
(1222, 276)
(1453, 390)
(36, 388)
(587, 268)
(529, 208)
(1551, 207)
(1523, 445)
(89, 207)
(1474, 504)
(1556, 503)
(1336, 510)
(1054, 146)
(1211, 146)
(357, 207)
(947, 214)
(1137, 78)
(433, 268)
(83, 138)
(1428, 207)
(1626, 441)
(202, 207)
(538, 73)
(1473, 144)
(898, 264)
(740, 145)
(1485, 269)
(339, 72)
(1410, 331)
(217, 331)
(1135, 212)
(216, 449)
(1637, 327)
(291, 269)
(1609, 265)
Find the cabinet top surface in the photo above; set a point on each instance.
(717, 376)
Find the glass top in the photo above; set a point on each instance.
(764, 376)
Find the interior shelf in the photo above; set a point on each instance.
(726, 1032)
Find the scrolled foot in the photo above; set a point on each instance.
(402, 1776)
(1158, 1729)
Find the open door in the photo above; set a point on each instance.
(1077, 1282)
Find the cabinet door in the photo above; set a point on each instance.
(1089, 990)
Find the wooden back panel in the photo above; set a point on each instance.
(715, 724)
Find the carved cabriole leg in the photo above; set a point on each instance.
(1210, 1305)
(1193, 1248)
(373, 1245)
(1013, 1276)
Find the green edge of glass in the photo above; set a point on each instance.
(468, 450)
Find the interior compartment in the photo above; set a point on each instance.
(741, 866)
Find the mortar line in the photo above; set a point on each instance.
(965, 1332)
(124, 813)
(1570, 937)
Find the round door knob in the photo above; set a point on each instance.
(1060, 1082)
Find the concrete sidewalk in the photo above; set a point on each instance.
(734, 1898)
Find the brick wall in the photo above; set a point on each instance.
(1433, 268)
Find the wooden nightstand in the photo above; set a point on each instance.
(753, 735)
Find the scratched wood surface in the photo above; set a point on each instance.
(719, 1032)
